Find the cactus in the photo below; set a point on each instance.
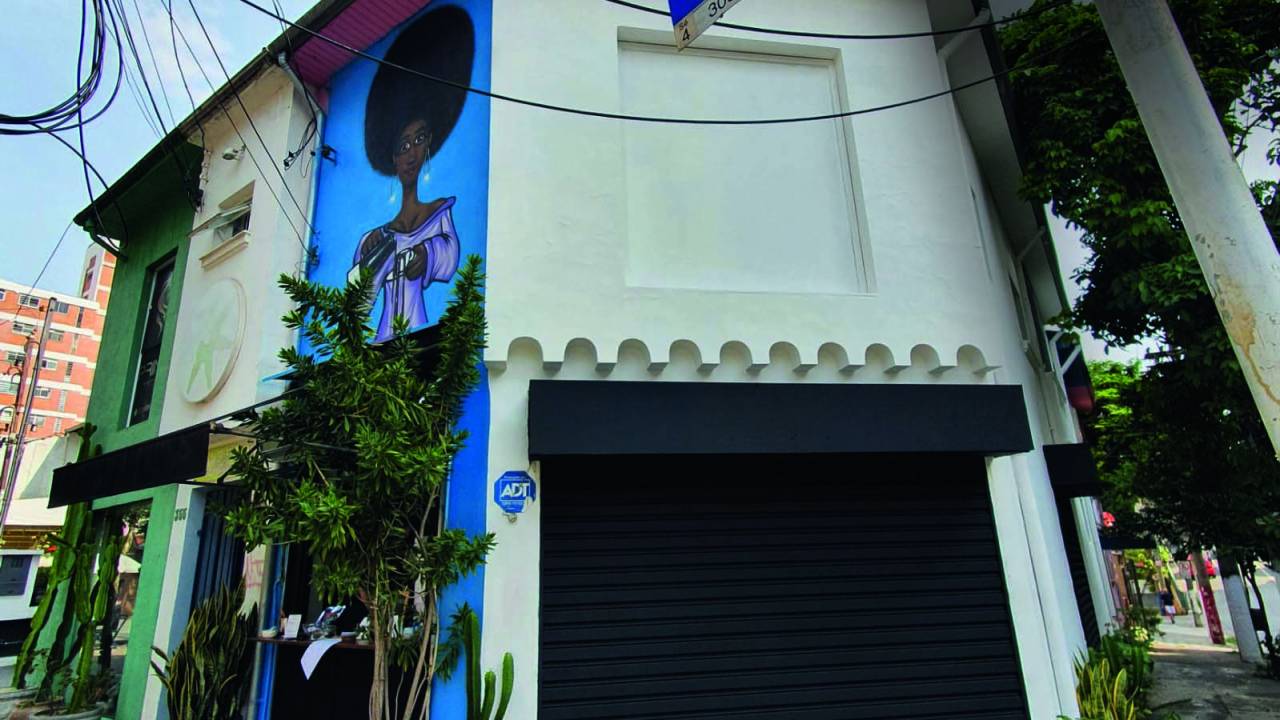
(91, 607)
(480, 700)
(77, 520)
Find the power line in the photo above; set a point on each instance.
(71, 108)
(230, 120)
(85, 165)
(92, 202)
(142, 108)
(146, 39)
(40, 274)
(142, 74)
(177, 58)
(866, 36)
(645, 118)
(284, 184)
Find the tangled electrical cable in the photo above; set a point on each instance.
(69, 113)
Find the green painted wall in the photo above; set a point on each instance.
(159, 218)
(153, 236)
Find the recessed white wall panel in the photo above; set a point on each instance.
(740, 208)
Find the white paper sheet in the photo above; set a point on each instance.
(315, 651)
(291, 626)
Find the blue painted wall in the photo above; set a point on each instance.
(353, 199)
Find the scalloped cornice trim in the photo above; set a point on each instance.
(780, 357)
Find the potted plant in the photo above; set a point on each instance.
(207, 675)
(93, 697)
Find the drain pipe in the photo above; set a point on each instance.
(318, 113)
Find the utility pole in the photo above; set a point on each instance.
(16, 419)
(1238, 607)
(1230, 238)
(14, 461)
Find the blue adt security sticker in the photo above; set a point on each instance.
(512, 489)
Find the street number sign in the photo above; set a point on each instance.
(691, 18)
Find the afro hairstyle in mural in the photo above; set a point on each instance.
(441, 43)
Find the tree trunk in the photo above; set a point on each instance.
(378, 690)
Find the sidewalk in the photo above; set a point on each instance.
(1206, 682)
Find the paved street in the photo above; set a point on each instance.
(1208, 683)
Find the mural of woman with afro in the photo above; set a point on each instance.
(407, 120)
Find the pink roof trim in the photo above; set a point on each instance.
(360, 25)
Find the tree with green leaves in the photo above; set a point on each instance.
(351, 468)
(1193, 454)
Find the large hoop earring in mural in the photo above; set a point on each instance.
(425, 176)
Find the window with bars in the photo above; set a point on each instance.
(30, 301)
(8, 387)
(62, 400)
(22, 328)
(57, 425)
(70, 367)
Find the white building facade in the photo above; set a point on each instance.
(778, 396)
(887, 249)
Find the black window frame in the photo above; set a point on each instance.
(150, 340)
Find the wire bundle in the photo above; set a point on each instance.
(69, 113)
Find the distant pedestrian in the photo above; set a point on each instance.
(1166, 604)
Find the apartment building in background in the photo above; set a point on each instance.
(73, 334)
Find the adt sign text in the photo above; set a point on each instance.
(512, 490)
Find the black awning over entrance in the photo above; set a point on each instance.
(1072, 471)
(672, 418)
(170, 458)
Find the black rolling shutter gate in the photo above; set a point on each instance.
(773, 576)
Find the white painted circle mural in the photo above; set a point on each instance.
(205, 361)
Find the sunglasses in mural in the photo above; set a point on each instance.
(407, 120)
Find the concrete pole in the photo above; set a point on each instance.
(1230, 239)
(1238, 606)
